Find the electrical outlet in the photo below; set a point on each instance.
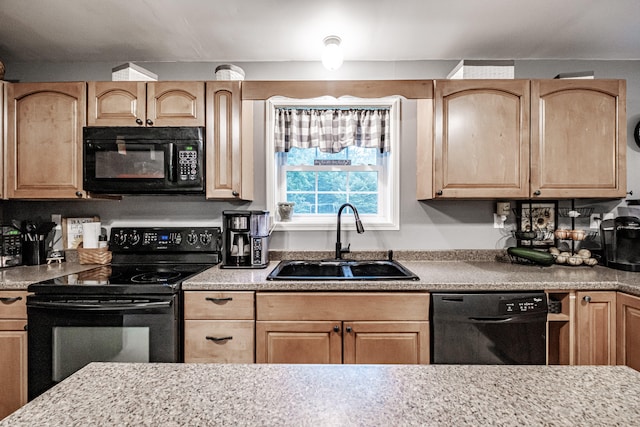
(503, 208)
(594, 221)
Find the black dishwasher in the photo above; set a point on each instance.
(491, 328)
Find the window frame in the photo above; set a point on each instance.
(389, 191)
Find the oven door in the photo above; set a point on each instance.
(68, 332)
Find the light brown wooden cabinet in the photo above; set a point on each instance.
(44, 140)
(219, 327)
(13, 351)
(2, 137)
(628, 331)
(596, 328)
(481, 145)
(578, 138)
(342, 327)
(229, 142)
(126, 103)
(526, 139)
(561, 329)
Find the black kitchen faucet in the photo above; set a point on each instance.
(359, 229)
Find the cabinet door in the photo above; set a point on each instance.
(481, 145)
(175, 104)
(628, 330)
(219, 341)
(2, 138)
(386, 342)
(578, 138)
(44, 140)
(596, 328)
(224, 141)
(13, 371)
(116, 103)
(298, 342)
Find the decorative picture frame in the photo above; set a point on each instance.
(539, 217)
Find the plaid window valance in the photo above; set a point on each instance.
(332, 129)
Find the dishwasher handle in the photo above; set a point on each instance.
(491, 319)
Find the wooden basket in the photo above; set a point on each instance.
(94, 256)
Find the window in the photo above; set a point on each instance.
(319, 179)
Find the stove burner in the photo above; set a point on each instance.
(155, 277)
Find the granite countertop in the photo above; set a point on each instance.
(434, 275)
(438, 270)
(108, 394)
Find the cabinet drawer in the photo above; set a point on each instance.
(219, 305)
(216, 341)
(13, 304)
(342, 306)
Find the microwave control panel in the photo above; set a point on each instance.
(189, 163)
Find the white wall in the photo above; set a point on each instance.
(424, 225)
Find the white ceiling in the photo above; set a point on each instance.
(293, 30)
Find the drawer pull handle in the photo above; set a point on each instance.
(9, 300)
(219, 339)
(219, 300)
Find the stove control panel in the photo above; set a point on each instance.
(166, 239)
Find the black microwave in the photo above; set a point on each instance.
(150, 160)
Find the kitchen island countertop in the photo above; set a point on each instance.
(109, 394)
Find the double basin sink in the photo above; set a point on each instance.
(341, 270)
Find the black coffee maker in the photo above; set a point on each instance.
(621, 243)
(246, 239)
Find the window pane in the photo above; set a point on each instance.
(363, 156)
(332, 181)
(299, 156)
(305, 202)
(330, 203)
(363, 181)
(301, 181)
(365, 203)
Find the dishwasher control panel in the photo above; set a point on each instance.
(532, 304)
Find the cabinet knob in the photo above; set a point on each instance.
(587, 298)
(537, 193)
(79, 194)
(234, 193)
(439, 193)
(149, 122)
(139, 122)
(349, 329)
(336, 329)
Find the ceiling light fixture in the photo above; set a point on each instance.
(332, 54)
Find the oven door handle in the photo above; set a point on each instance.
(99, 306)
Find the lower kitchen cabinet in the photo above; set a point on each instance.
(628, 330)
(561, 328)
(596, 328)
(219, 327)
(13, 351)
(342, 327)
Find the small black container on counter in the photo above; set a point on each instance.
(34, 252)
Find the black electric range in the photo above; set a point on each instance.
(148, 260)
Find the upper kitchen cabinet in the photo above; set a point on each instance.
(126, 103)
(44, 140)
(548, 139)
(578, 138)
(2, 137)
(481, 143)
(229, 139)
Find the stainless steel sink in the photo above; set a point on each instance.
(341, 270)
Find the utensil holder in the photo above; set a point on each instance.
(33, 252)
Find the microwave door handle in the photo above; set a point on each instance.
(173, 153)
(99, 306)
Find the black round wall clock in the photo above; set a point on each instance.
(636, 134)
